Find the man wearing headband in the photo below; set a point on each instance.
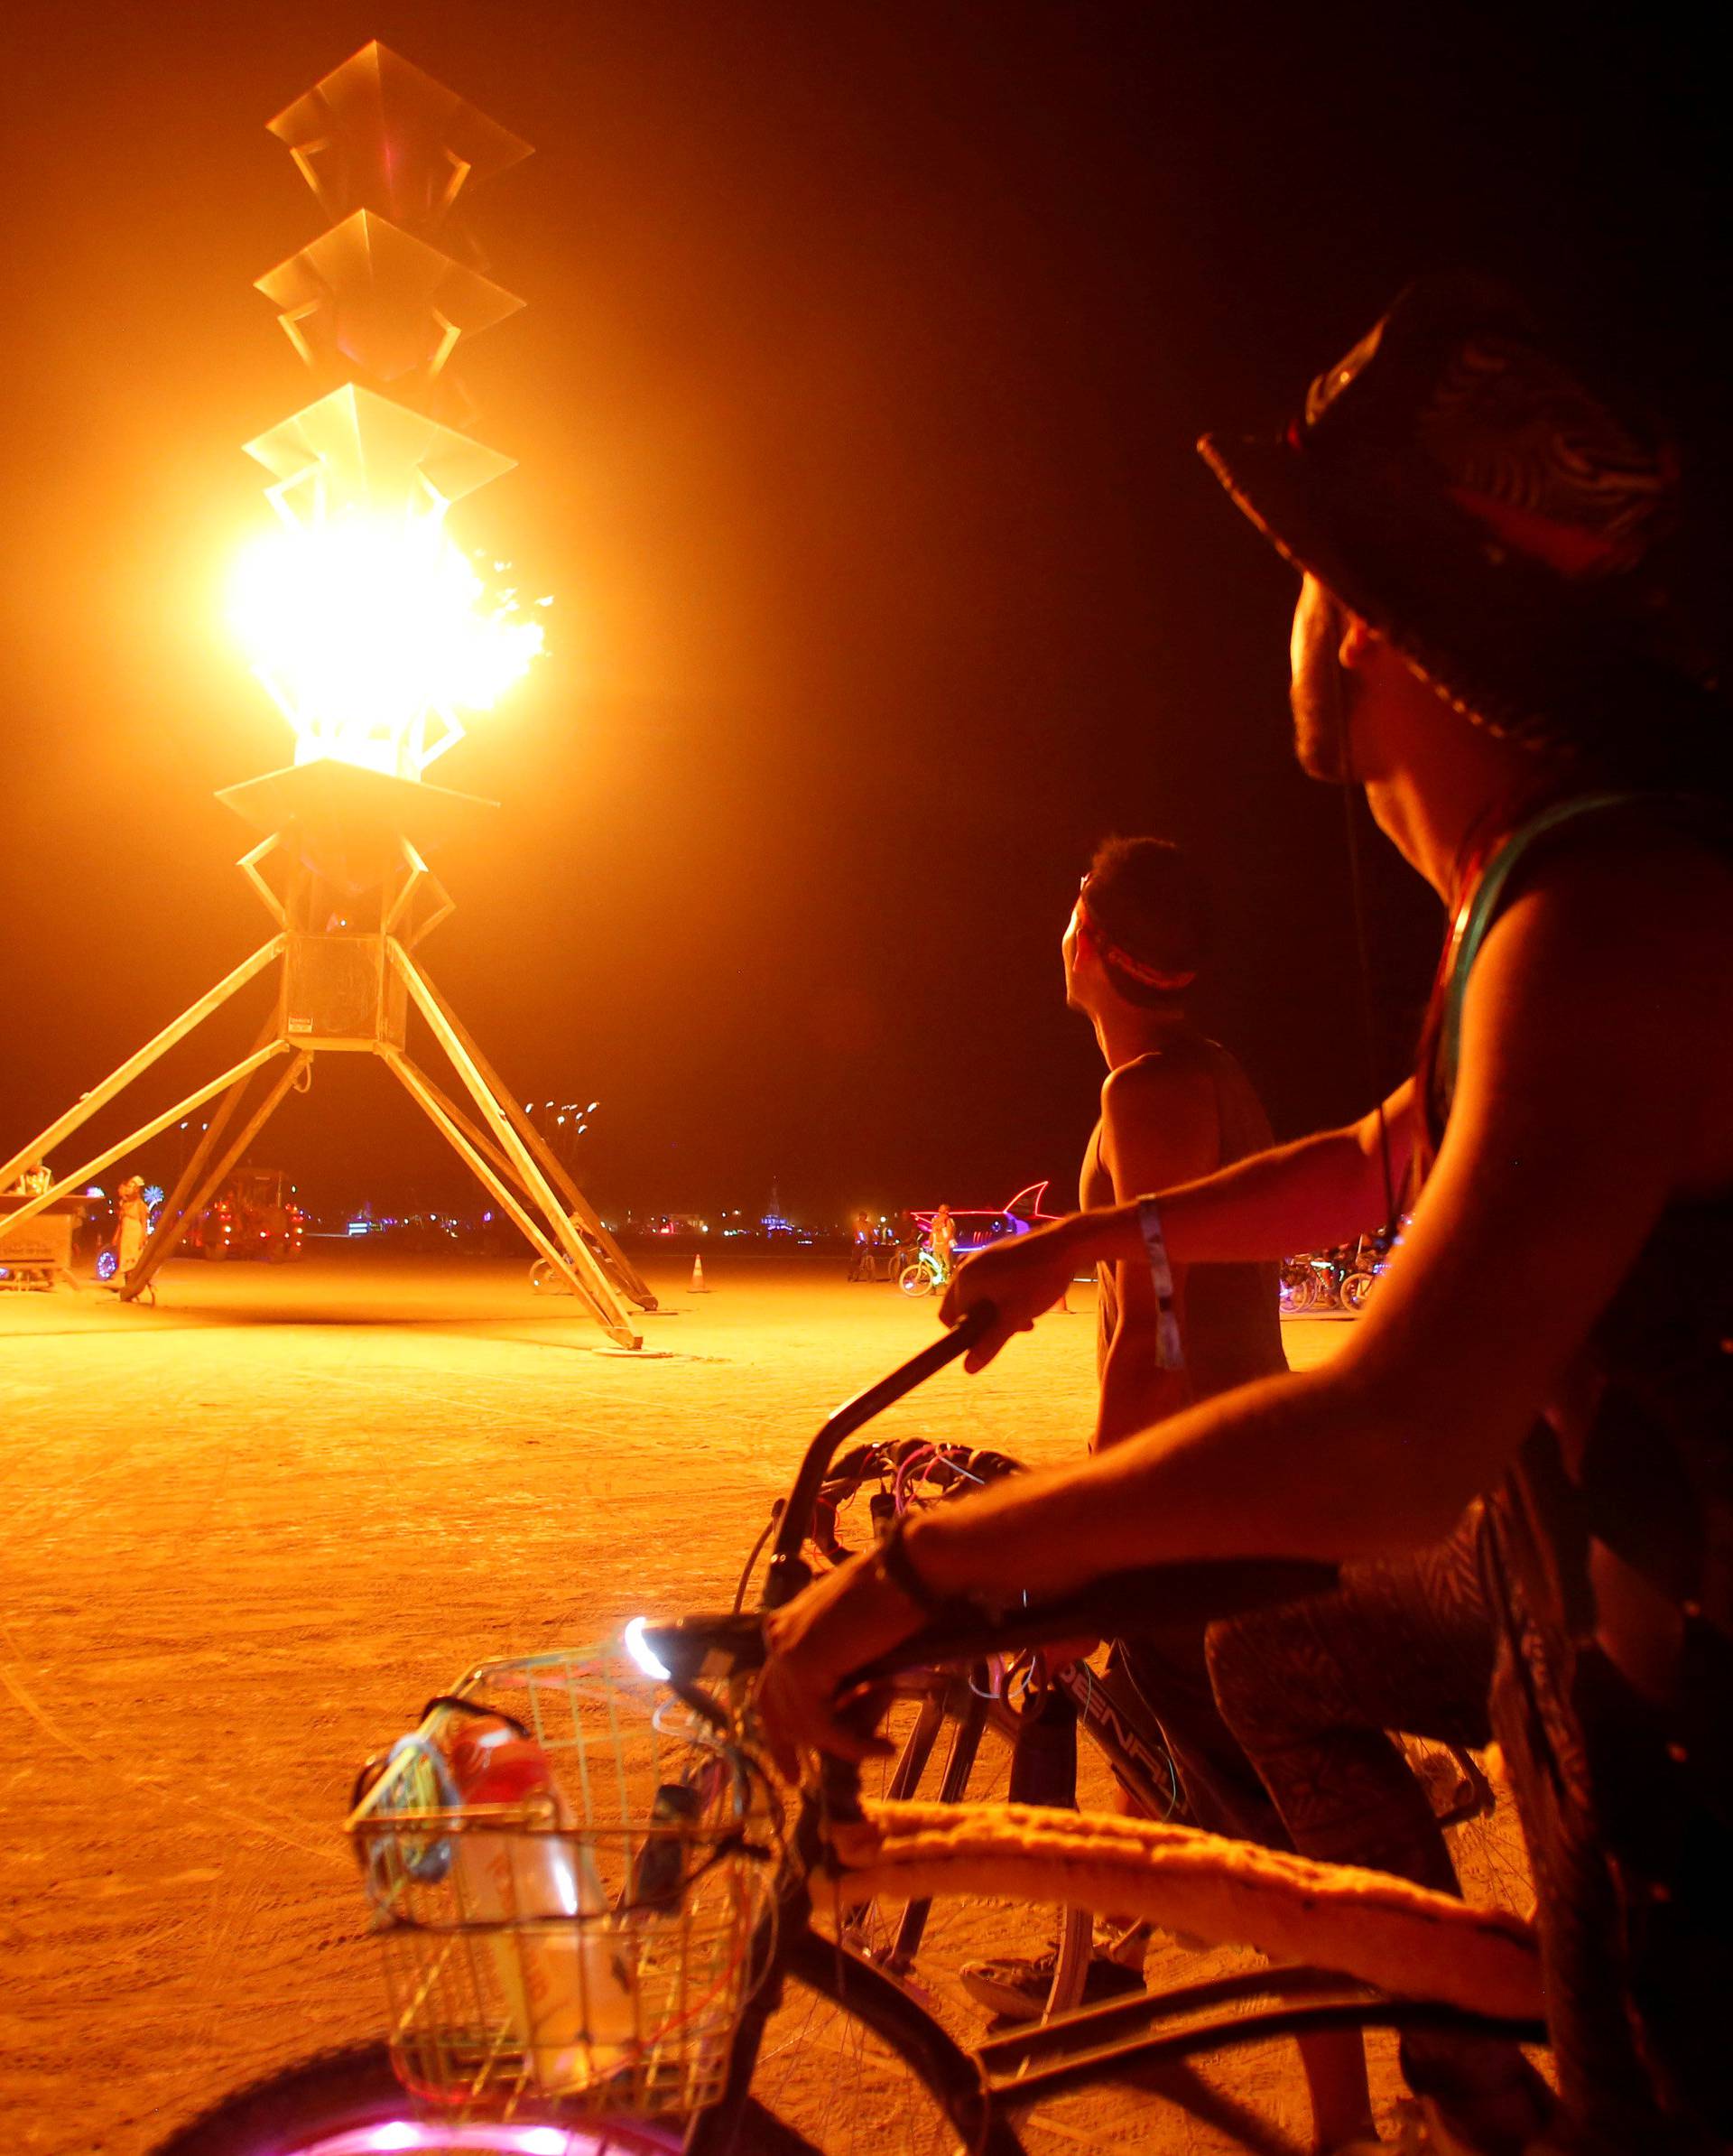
(1512, 632)
(1174, 1106)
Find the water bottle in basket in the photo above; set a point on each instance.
(569, 1988)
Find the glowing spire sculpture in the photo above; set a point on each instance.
(373, 631)
(362, 617)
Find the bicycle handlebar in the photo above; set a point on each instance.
(1123, 1602)
(788, 1572)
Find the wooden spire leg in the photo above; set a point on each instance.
(175, 1206)
(145, 1131)
(516, 1207)
(161, 1245)
(118, 1081)
(581, 1260)
(613, 1259)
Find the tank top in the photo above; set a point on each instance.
(1612, 1534)
(1233, 1313)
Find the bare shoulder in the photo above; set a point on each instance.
(1639, 921)
(1159, 1122)
(1164, 1082)
(1609, 977)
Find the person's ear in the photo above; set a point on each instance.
(1357, 645)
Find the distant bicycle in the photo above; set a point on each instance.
(921, 1275)
(1333, 1280)
(547, 1279)
(1308, 1283)
(1356, 1287)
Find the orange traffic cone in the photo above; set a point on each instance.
(697, 1277)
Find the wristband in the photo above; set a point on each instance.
(1169, 1352)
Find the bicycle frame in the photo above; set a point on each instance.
(979, 2089)
(786, 1945)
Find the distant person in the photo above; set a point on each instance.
(1173, 1105)
(132, 1224)
(942, 1235)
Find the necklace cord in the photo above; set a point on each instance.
(1362, 946)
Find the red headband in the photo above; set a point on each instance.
(1146, 976)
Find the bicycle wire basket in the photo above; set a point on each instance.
(587, 1946)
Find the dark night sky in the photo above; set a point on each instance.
(855, 399)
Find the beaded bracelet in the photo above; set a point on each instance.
(1169, 1352)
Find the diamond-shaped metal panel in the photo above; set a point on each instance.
(377, 133)
(354, 448)
(367, 298)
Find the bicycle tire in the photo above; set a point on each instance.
(917, 1279)
(319, 2104)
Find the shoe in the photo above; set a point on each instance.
(1016, 1989)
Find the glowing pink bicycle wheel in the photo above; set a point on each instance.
(349, 2103)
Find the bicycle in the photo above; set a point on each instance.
(923, 1273)
(953, 1735)
(640, 2016)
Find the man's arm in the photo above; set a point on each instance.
(1561, 1149)
(1160, 1125)
(1597, 1063)
(1318, 1192)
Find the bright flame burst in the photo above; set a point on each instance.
(372, 634)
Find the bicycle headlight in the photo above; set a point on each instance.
(638, 1648)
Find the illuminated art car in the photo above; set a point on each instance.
(977, 1228)
(254, 1214)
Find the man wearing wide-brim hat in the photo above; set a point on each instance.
(1499, 636)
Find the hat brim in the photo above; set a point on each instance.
(1497, 644)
